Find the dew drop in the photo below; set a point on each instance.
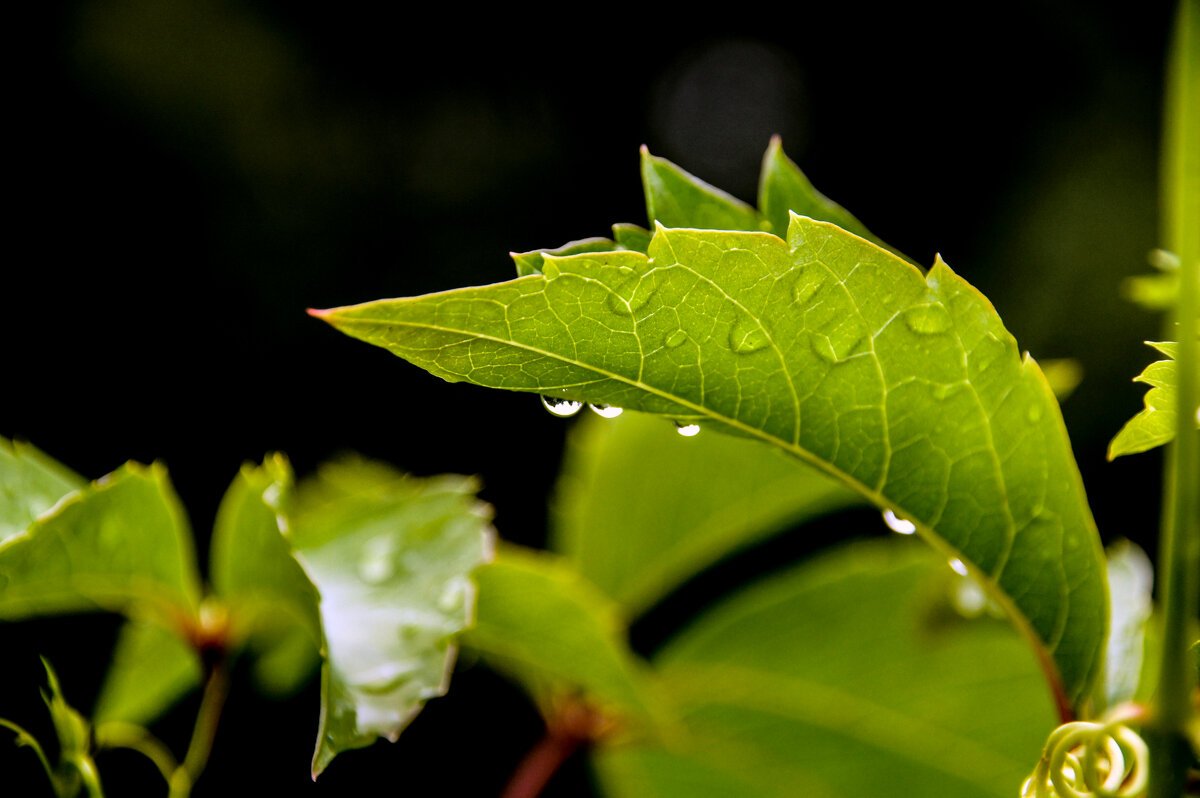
(675, 339)
(607, 411)
(898, 525)
(958, 567)
(969, 598)
(927, 319)
(747, 339)
(811, 280)
(687, 430)
(822, 348)
(563, 408)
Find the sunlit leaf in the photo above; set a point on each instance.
(640, 508)
(548, 627)
(391, 557)
(906, 387)
(151, 669)
(675, 198)
(849, 675)
(1130, 582)
(121, 543)
(1155, 424)
(30, 484)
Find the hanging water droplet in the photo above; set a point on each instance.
(958, 567)
(927, 319)
(607, 411)
(687, 430)
(675, 339)
(747, 339)
(810, 281)
(899, 525)
(563, 408)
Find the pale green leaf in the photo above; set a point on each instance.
(1155, 424)
(252, 567)
(846, 676)
(675, 198)
(906, 387)
(631, 236)
(1130, 582)
(121, 543)
(548, 627)
(151, 669)
(391, 557)
(639, 508)
(30, 484)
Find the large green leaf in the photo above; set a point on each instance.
(849, 675)
(391, 557)
(30, 484)
(151, 669)
(122, 543)
(1155, 424)
(907, 388)
(639, 509)
(543, 623)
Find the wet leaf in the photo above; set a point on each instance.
(905, 387)
(30, 484)
(391, 557)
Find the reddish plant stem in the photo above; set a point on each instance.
(572, 727)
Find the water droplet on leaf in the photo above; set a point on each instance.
(1034, 414)
(747, 338)
(676, 339)
(958, 567)
(563, 408)
(811, 280)
(687, 430)
(898, 525)
(822, 348)
(607, 411)
(927, 319)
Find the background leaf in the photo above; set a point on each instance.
(1155, 424)
(30, 484)
(906, 387)
(122, 544)
(675, 198)
(1131, 582)
(151, 669)
(545, 625)
(639, 508)
(857, 656)
(391, 557)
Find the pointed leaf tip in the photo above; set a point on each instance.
(316, 313)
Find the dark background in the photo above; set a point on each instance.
(191, 175)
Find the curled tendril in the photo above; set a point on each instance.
(1090, 760)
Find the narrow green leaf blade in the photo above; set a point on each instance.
(122, 544)
(252, 567)
(639, 508)
(848, 675)
(783, 189)
(151, 669)
(30, 484)
(392, 558)
(906, 387)
(1155, 425)
(675, 198)
(540, 621)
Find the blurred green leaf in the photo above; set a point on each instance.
(391, 557)
(121, 543)
(857, 656)
(906, 387)
(151, 669)
(30, 484)
(675, 198)
(1155, 424)
(553, 631)
(1130, 584)
(639, 508)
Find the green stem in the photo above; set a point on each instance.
(26, 739)
(216, 689)
(1179, 548)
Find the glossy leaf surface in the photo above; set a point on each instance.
(639, 508)
(849, 675)
(548, 627)
(391, 557)
(30, 484)
(122, 543)
(1155, 424)
(906, 387)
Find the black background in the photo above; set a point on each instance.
(191, 175)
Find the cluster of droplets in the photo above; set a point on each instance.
(1091, 760)
(565, 408)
